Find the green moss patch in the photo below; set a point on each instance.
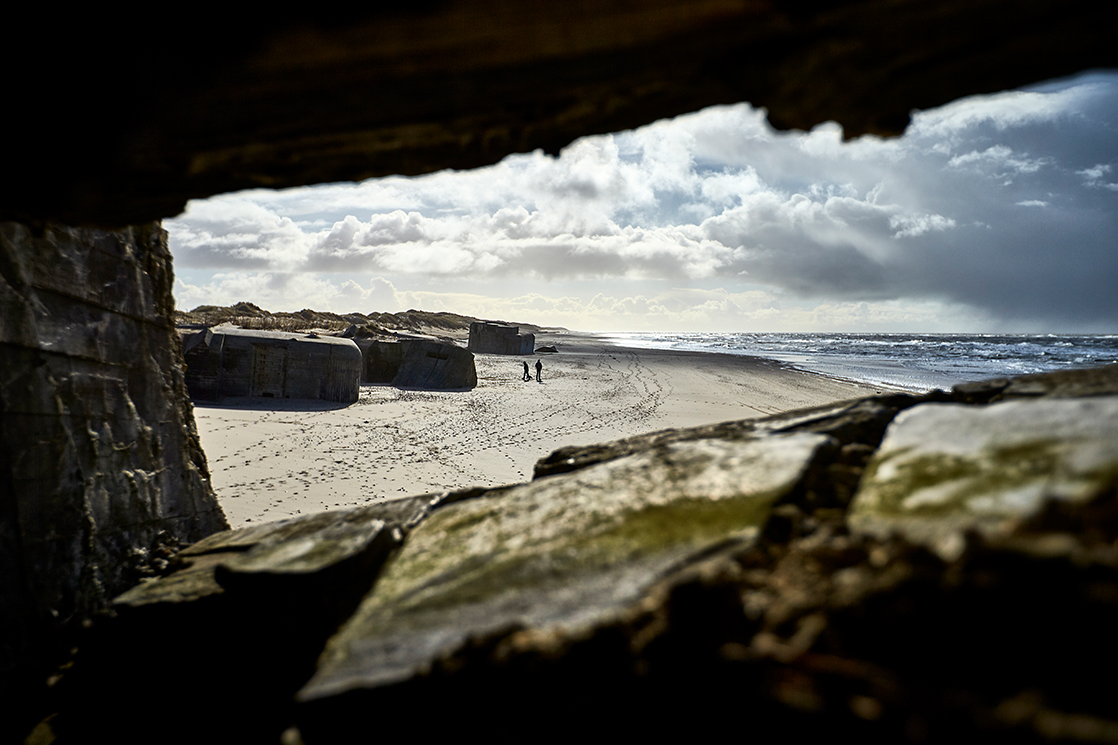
(988, 473)
(417, 584)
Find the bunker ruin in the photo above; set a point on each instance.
(496, 338)
(417, 363)
(271, 364)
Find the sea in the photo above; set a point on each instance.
(911, 362)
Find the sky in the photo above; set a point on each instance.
(994, 213)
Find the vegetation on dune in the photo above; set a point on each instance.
(251, 316)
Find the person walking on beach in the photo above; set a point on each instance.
(527, 375)
(539, 367)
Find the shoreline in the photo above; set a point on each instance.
(271, 459)
(909, 362)
(796, 366)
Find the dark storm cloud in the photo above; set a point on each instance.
(1014, 214)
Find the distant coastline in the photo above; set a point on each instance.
(913, 362)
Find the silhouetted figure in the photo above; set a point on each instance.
(539, 367)
(527, 375)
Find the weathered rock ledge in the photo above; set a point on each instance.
(100, 463)
(897, 568)
(312, 96)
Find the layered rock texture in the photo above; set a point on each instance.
(945, 470)
(271, 364)
(567, 554)
(894, 569)
(99, 459)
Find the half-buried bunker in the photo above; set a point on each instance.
(417, 363)
(271, 364)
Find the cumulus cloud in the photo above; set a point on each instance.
(1096, 177)
(237, 233)
(910, 226)
(933, 217)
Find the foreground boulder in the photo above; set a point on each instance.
(945, 469)
(232, 630)
(790, 573)
(561, 556)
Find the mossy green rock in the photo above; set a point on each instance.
(564, 553)
(943, 469)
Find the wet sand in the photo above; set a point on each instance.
(273, 459)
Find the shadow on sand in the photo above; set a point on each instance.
(272, 404)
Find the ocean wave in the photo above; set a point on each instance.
(909, 361)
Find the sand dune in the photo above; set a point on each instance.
(273, 459)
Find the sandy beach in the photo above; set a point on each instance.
(273, 459)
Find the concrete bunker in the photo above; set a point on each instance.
(417, 363)
(271, 364)
(497, 338)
